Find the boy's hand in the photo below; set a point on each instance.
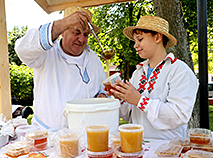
(126, 91)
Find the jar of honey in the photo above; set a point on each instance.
(131, 137)
(69, 145)
(97, 137)
(39, 138)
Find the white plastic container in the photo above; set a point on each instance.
(3, 140)
(87, 112)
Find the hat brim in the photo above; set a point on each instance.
(128, 32)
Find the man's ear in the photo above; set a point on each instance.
(158, 37)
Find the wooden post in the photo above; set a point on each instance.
(5, 93)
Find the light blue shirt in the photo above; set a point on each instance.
(149, 72)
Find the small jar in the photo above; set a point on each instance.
(39, 138)
(22, 130)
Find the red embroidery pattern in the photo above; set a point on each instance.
(172, 61)
(140, 64)
(143, 103)
(142, 83)
(122, 102)
(153, 78)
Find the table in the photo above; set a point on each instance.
(149, 145)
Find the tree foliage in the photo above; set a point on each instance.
(190, 16)
(112, 19)
(13, 35)
(21, 80)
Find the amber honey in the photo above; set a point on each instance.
(131, 138)
(199, 138)
(97, 138)
(40, 143)
(40, 139)
(69, 145)
(108, 87)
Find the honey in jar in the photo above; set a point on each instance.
(40, 139)
(69, 145)
(108, 87)
(97, 138)
(131, 137)
(199, 138)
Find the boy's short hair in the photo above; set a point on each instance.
(139, 31)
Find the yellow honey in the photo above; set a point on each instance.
(69, 145)
(97, 138)
(131, 138)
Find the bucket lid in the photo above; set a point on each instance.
(92, 105)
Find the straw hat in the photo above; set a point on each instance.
(153, 23)
(68, 11)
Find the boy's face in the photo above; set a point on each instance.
(146, 44)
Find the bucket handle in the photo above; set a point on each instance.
(64, 113)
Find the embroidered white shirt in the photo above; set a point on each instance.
(167, 98)
(57, 77)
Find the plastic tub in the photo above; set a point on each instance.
(197, 154)
(88, 112)
(39, 138)
(169, 150)
(3, 140)
(131, 137)
(22, 130)
(111, 80)
(17, 148)
(97, 138)
(104, 154)
(115, 139)
(208, 147)
(200, 136)
(182, 141)
(69, 145)
(120, 154)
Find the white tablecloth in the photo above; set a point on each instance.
(149, 145)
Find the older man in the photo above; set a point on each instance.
(64, 69)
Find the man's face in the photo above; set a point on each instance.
(74, 41)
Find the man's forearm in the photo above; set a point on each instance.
(58, 28)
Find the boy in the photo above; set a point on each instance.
(163, 89)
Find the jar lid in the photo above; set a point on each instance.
(36, 134)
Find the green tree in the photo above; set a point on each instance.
(112, 19)
(21, 80)
(13, 35)
(190, 18)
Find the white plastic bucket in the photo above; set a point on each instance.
(86, 112)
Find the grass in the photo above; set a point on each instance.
(121, 121)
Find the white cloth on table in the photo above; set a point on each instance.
(167, 98)
(58, 78)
